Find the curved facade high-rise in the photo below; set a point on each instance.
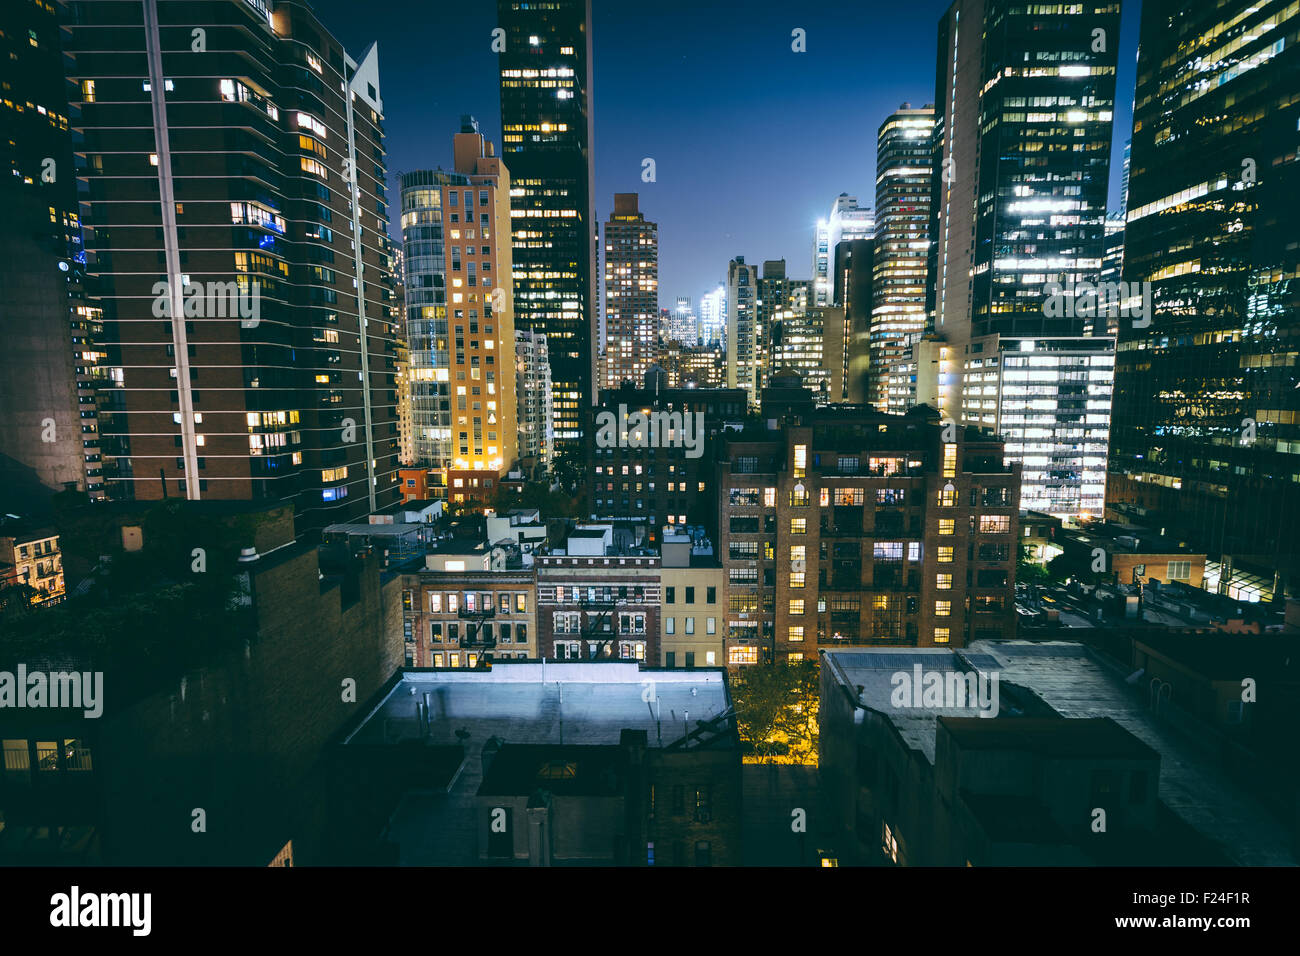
(903, 190)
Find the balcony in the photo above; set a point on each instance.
(476, 614)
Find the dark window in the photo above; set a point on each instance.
(703, 855)
(1137, 787)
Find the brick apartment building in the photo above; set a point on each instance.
(598, 607)
(469, 604)
(645, 488)
(845, 526)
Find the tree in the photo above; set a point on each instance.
(1029, 571)
(1069, 565)
(776, 711)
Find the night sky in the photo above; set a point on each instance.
(752, 142)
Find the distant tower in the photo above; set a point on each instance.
(631, 292)
(743, 350)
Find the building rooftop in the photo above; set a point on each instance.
(1075, 683)
(551, 703)
(545, 717)
(375, 530)
(1126, 539)
(1049, 737)
(872, 669)
(1229, 657)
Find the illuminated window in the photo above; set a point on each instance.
(796, 605)
(742, 655)
(942, 635)
(942, 608)
(800, 460)
(798, 525)
(769, 497)
(943, 582)
(947, 525)
(889, 842)
(945, 555)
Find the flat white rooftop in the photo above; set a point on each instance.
(553, 703)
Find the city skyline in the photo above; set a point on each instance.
(740, 438)
(648, 75)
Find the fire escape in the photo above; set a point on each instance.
(478, 630)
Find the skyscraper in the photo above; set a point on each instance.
(780, 299)
(713, 316)
(631, 293)
(847, 221)
(533, 389)
(744, 367)
(460, 318)
(854, 268)
(903, 183)
(546, 140)
(1207, 411)
(1023, 114)
(238, 229)
(683, 326)
(49, 323)
(821, 263)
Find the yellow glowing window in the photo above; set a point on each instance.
(769, 497)
(943, 582)
(800, 460)
(742, 655)
(942, 608)
(796, 605)
(945, 555)
(947, 525)
(798, 552)
(942, 635)
(796, 579)
(798, 525)
(796, 634)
